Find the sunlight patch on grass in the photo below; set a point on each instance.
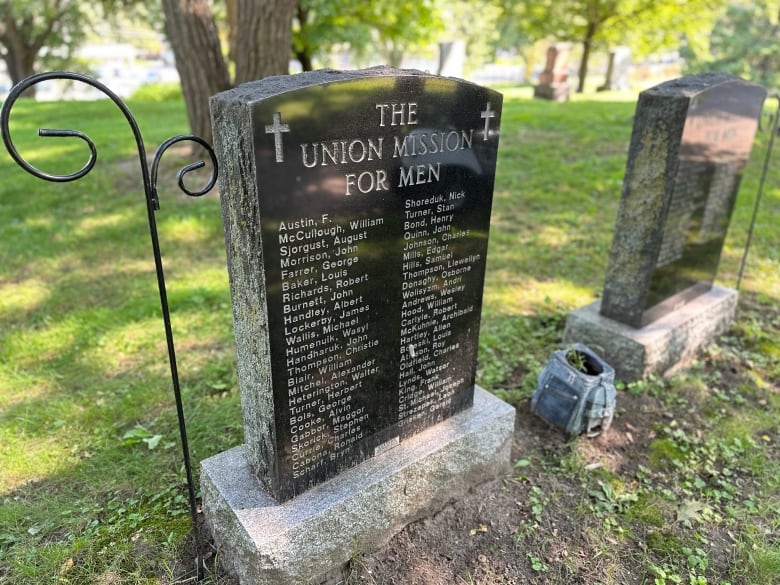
(67, 346)
(22, 297)
(128, 267)
(19, 387)
(94, 222)
(28, 459)
(525, 92)
(40, 221)
(122, 351)
(186, 230)
(209, 279)
(762, 275)
(553, 236)
(521, 295)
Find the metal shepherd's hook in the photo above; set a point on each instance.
(152, 205)
(774, 119)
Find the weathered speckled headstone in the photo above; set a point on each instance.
(356, 209)
(691, 140)
(356, 217)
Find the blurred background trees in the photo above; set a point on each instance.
(217, 44)
(645, 26)
(745, 41)
(40, 33)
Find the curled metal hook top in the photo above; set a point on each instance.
(158, 155)
(150, 182)
(152, 204)
(5, 115)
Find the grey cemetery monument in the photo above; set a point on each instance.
(356, 209)
(618, 70)
(691, 141)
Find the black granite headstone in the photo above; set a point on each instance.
(356, 208)
(691, 140)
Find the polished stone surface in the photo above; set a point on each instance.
(691, 140)
(356, 209)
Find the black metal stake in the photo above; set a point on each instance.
(152, 205)
(760, 194)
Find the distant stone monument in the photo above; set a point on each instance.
(356, 209)
(691, 141)
(553, 81)
(452, 58)
(618, 69)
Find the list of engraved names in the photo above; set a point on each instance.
(433, 278)
(328, 337)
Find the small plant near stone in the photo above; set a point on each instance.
(537, 563)
(582, 362)
(578, 361)
(536, 503)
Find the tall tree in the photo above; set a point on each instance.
(190, 28)
(743, 42)
(644, 25)
(27, 27)
(477, 23)
(319, 25)
(387, 28)
(262, 39)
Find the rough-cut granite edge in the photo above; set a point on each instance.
(309, 538)
(261, 89)
(661, 347)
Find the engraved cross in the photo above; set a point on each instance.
(277, 128)
(487, 114)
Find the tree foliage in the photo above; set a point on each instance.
(32, 31)
(644, 25)
(320, 25)
(387, 28)
(744, 43)
(478, 23)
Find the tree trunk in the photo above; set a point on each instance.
(301, 49)
(587, 45)
(304, 58)
(395, 54)
(20, 65)
(263, 38)
(20, 53)
(232, 19)
(190, 28)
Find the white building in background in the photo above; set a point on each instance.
(122, 67)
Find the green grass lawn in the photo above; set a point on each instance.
(91, 480)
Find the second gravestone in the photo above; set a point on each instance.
(356, 211)
(691, 140)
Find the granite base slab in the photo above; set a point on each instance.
(557, 92)
(661, 347)
(309, 538)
